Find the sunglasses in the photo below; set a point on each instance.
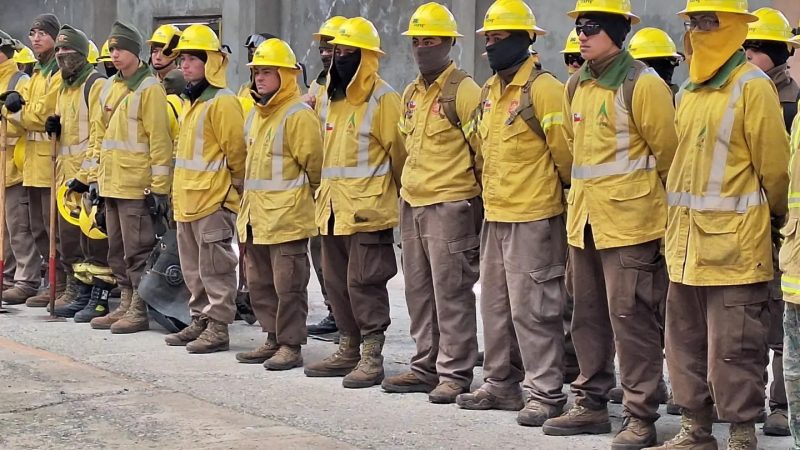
(588, 29)
(570, 59)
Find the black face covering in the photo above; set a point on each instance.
(70, 64)
(664, 67)
(345, 67)
(433, 60)
(110, 69)
(509, 52)
(194, 90)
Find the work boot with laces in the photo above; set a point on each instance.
(369, 370)
(264, 351)
(42, 299)
(325, 326)
(80, 302)
(213, 339)
(105, 322)
(71, 292)
(188, 334)
(446, 392)
(287, 357)
(695, 433)
(17, 295)
(481, 399)
(405, 383)
(135, 318)
(535, 413)
(635, 434)
(578, 420)
(98, 303)
(743, 436)
(340, 363)
(777, 424)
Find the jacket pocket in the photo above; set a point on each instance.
(716, 239)
(464, 262)
(516, 146)
(134, 170)
(789, 256)
(293, 268)
(629, 205)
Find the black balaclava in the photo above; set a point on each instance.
(778, 52)
(70, 64)
(110, 69)
(8, 51)
(664, 67)
(201, 54)
(432, 61)
(344, 69)
(616, 26)
(193, 90)
(509, 52)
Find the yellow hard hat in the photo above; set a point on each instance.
(105, 53)
(509, 15)
(88, 225)
(274, 53)
(93, 53)
(728, 6)
(652, 43)
(432, 19)
(772, 25)
(164, 34)
(358, 32)
(24, 56)
(198, 37)
(69, 205)
(621, 7)
(573, 45)
(330, 27)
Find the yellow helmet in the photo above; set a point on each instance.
(69, 205)
(198, 37)
(652, 43)
(573, 45)
(274, 53)
(24, 56)
(728, 6)
(506, 15)
(358, 32)
(432, 19)
(88, 224)
(330, 27)
(772, 25)
(105, 53)
(93, 53)
(621, 7)
(164, 34)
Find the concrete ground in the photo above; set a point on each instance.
(66, 386)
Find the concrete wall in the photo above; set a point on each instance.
(296, 20)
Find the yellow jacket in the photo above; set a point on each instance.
(523, 175)
(209, 163)
(363, 155)
(175, 107)
(12, 79)
(729, 174)
(440, 165)
(790, 250)
(136, 146)
(283, 167)
(77, 127)
(40, 94)
(621, 157)
(246, 97)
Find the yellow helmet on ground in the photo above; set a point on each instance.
(330, 27)
(274, 53)
(87, 223)
(198, 37)
(510, 15)
(573, 44)
(432, 19)
(652, 43)
(93, 53)
(728, 6)
(164, 35)
(105, 53)
(358, 32)
(771, 25)
(69, 205)
(621, 7)
(24, 56)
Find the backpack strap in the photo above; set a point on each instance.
(525, 109)
(629, 84)
(447, 99)
(572, 85)
(87, 87)
(15, 79)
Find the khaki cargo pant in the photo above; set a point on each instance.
(522, 302)
(278, 277)
(22, 259)
(130, 239)
(440, 267)
(357, 268)
(617, 294)
(717, 348)
(209, 265)
(39, 213)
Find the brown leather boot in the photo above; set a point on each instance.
(71, 292)
(340, 363)
(446, 392)
(135, 318)
(287, 357)
(635, 434)
(578, 420)
(405, 383)
(260, 354)
(695, 432)
(743, 436)
(369, 370)
(105, 322)
(188, 334)
(213, 339)
(481, 399)
(536, 413)
(17, 295)
(43, 298)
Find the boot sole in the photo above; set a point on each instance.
(441, 400)
(397, 389)
(598, 428)
(350, 384)
(98, 326)
(130, 331)
(614, 446)
(318, 332)
(487, 406)
(84, 319)
(177, 344)
(219, 348)
(776, 431)
(313, 373)
(249, 361)
(273, 366)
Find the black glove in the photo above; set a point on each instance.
(53, 126)
(94, 193)
(161, 204)
(13, 101)
(100, 217)
(75, 185)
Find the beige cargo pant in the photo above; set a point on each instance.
(131, 238)
(22, 259)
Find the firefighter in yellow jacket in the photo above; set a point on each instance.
(22, 259)
(728, 178)
(35, 102)
(618, 117)
(209, 171)
(357, 203)
(134, 156)
(89, 278)
(276, 220)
